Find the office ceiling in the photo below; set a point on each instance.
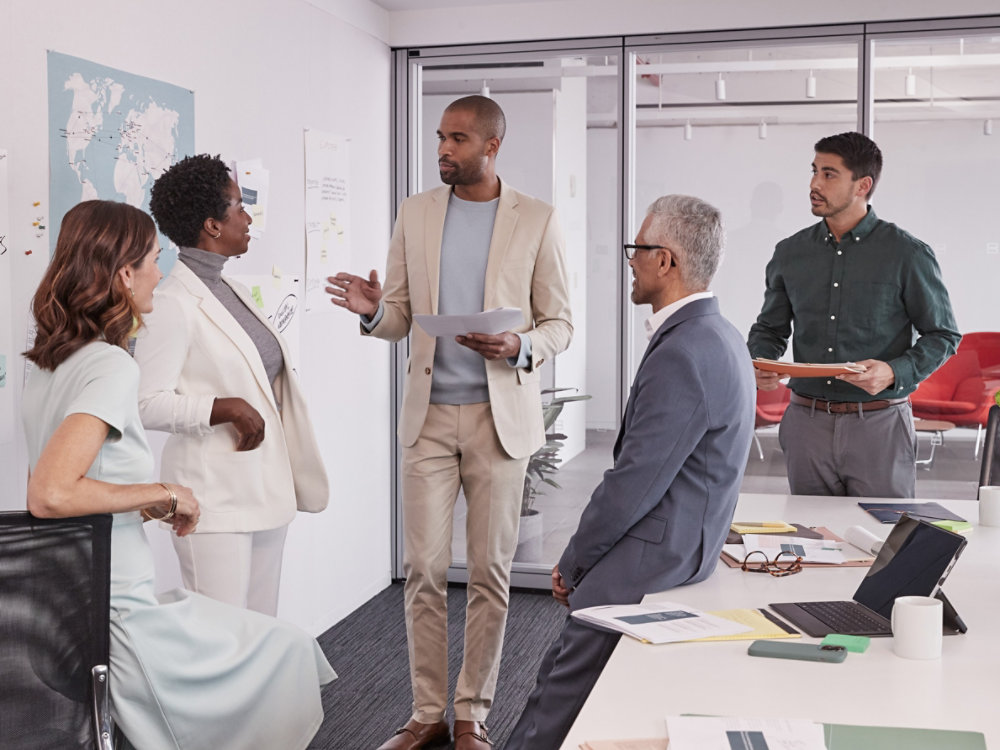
(436, 4)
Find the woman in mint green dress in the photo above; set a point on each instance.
(187, 672)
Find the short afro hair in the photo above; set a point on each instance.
(490, 120)
(189, 192)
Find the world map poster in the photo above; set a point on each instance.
(111, 134)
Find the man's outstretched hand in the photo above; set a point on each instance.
(357, 294)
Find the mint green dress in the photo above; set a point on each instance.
(187, 672)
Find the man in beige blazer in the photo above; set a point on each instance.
(471, 414)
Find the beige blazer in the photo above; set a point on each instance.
(191, 351)
(526, 268)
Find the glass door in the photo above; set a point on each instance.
(734, 123)
(936, 117)
(563, 145)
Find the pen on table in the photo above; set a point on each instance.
(784, 626)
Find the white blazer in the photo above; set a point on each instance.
(192, 351)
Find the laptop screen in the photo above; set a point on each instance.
(913, 561)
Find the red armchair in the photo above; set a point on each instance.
(771, 407)
(955, 392)
(986, 346)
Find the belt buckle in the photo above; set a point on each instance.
(829, 408)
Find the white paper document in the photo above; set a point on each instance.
(659, 622)
(494, 321)
(713, 733)
(810, 550)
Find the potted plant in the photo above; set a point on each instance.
(542, 465)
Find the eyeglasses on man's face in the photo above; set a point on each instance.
(630, 251)
(757, 562)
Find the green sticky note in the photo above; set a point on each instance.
(959, 527)
(257, 296)
(856, 643)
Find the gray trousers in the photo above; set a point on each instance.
(871, 454)
(565, 678)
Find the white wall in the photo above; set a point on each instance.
(262, 71)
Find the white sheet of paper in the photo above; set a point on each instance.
(494, 321)
(716, 733)
(810, 550)
(659, 622)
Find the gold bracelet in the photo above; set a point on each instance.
(173, 506)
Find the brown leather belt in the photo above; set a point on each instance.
(846, 407)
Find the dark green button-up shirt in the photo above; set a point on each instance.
(861, 298)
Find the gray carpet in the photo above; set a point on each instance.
(371, 698)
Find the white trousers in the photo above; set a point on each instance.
(242, 569)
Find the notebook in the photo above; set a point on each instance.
(914, 561)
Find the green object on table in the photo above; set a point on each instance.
(958, 527)
(850, 737)
(856, 643)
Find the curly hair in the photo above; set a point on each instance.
(81, 296)
(191, 191)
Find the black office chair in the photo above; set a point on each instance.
(989, 469)
(54, 635)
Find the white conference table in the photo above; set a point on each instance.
(642, 684)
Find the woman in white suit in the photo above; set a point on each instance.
(216, 375)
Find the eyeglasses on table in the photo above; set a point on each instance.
(758, 562)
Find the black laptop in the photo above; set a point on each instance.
(913, 561)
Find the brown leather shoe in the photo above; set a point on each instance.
(415, 736)
(471, 735)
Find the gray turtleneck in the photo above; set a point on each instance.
(208, 267)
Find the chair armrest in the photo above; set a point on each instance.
(103, 726)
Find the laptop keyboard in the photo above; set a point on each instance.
(844, 617)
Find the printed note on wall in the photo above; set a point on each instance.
(328, 210)
(277, 298)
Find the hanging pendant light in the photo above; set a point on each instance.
(811, 86)
(720, 88)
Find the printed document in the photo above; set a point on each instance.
(810, 550)
(494, 321)
(659, 622)
(712, 733)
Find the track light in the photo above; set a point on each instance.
(762, 130)
(988, 126)
(811, 86)
(911, 84)
(720, 88)
(688, 131)
(485, 90)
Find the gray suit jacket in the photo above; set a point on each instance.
(659, 517)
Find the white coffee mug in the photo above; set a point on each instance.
(917, 627)
(989, 506)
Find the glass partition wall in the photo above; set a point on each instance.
(601, 127)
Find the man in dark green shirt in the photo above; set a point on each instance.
(852, 288)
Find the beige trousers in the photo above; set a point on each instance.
(458, 446)
(239, 568)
